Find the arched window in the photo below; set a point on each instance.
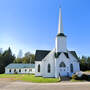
(49, 68)
(62, 64)
(25, 70)
(19, 70)
(71, 67)
(39, 68)
(10, 70)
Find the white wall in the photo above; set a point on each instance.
(36, 68)
(49, 59)
(68, 62)
(75, 63)
(61, 58)
(55, 68)
(61, 44)
(22, 71)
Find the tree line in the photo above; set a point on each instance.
(84, 63)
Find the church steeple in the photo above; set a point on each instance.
(61, 45)
(60, 24)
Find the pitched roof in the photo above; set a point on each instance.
(66, 54)
(74, 54)
(21, 65)
(59, 53)
(40, 54)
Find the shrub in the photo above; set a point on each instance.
(74, 76)
(83, 77)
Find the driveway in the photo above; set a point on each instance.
(18, 85)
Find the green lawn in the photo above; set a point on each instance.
(29, 78)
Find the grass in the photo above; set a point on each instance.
(29, 78)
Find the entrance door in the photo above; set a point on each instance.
(63, 70)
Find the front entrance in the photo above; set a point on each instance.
(63, 69)
(63, 72)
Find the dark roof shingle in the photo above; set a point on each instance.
(40, 54)
(74, 54)
(66, 54)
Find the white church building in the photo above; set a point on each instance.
(58, 62)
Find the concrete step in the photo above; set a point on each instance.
(65, 78)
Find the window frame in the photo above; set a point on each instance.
(19, 70)
(14, 70)
(62, 64)
(49, 68)
(71, 68)
(39, 68)
(10, 70)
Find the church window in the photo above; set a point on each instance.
(71, 67)
(62, 64)
(25, 70)
(14, 70)
(49, 68)
(19, 70)
(10, 70)
(39, 68)
(30, 70)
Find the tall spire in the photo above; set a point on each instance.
(60, 25)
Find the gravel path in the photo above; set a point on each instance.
(18, 85)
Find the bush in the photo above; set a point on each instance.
(74, 76)
(83, 77)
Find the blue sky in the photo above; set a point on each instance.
(33, 24)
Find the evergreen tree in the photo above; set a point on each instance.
(6, 58)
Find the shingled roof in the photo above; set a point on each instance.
(74, 54)
(66, 54)
(40, 54)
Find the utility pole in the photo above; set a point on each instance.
(30, 63)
